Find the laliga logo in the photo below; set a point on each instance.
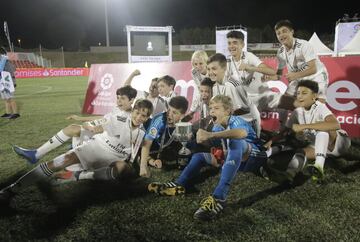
(106, 81)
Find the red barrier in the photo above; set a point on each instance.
(50, 72)
(342, 97)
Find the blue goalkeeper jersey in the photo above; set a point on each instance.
(236, 122)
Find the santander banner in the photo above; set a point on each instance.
(50, 72)
(343, 94)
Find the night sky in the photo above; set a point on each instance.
(56, 23)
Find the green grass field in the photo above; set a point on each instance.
(258, 210)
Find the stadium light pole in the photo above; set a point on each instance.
(106, 25)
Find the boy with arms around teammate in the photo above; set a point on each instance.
(300, 59)
(248, 69)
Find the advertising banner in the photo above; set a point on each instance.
(343, 95)
(50, 72)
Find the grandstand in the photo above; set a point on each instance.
(24, 64)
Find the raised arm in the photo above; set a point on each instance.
(131, 77)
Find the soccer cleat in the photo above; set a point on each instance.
(29, 155)
(6, 115)
(316, 172)
(14, 116)
(166, 189)
(210, 207)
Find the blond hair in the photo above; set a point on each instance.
(199, 54)
(224, 100)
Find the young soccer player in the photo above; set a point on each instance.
(166, 85)
(11, 110)
(300, 59)
(242, 153)
(312, 121)
(109, 154)
(248, 69)
(159, 145)
(243, 106)
(198, 61)
(125, 97)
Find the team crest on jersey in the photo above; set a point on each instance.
(153, 132)
(121, 118)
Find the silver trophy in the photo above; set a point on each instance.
(183, 134)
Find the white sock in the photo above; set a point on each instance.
(55, 141)
(256, 115)
(321, 146)
(76, 141)
(86, 175)
(296, 164)
(269, 152)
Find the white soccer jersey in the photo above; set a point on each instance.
(238, 95)
(317, 113)
(200, 106)
(115, 111)
(197, 76)
(117, 142)
(250, 80)
(159, 105)
(169, 96)
(297, 57)
(196, 102)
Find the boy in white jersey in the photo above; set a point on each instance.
(202, 104)
(314, 122)
(248, 69)
(109, 154)
(166, 85)
(198, 61)
(243, 106)
(300, 59)
(198, 73)
(125, 97)
(152, 95)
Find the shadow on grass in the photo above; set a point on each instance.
(248, 201)
(347, 163)
(56, 207)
